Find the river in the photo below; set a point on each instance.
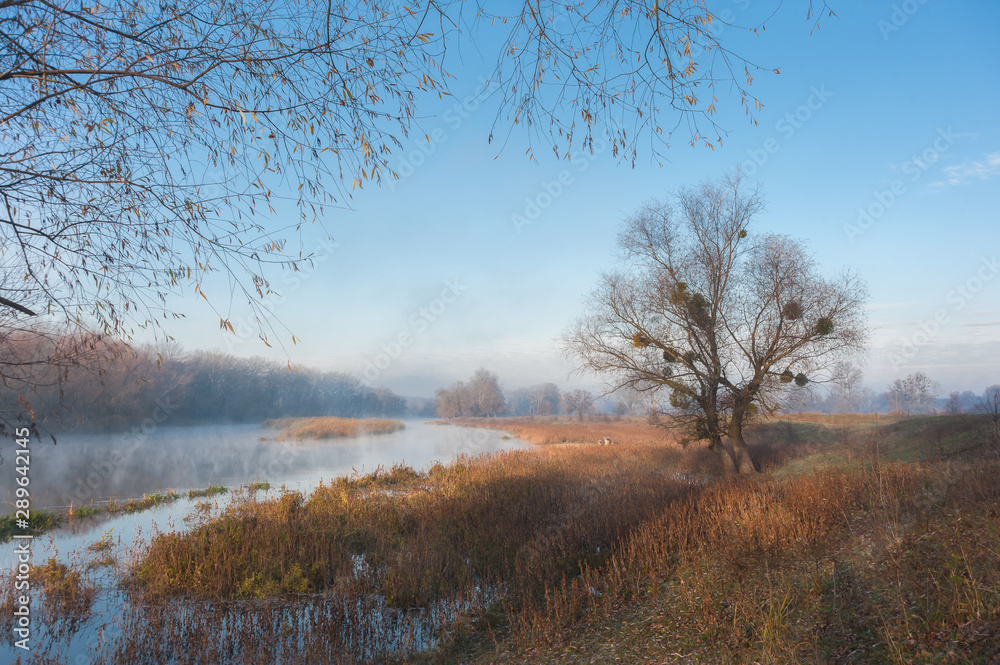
(92, 468)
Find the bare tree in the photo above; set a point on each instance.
(846, 380)
(485, 395)
(721, 320)
(544, 399)
(867, 400)
(953, 405)
(578, 401)
(659, 324)
(989, 405)
(914, 394)
(791, 325)
(451, 402)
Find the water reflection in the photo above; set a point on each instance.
(82, 468)
(97, 467)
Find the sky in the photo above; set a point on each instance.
(878, 145)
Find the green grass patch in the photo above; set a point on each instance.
(146, 502)
(39, 521)
(83, 512)
(211, 490)
(259, 486)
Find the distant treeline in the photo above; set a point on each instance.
(111, 387)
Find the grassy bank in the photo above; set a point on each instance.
(604, 554)
(300, 429)
(544, 431)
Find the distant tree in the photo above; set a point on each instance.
(953, 404)
(989, 405)
(629, 401)
(421, 407)
(484, 394)
(519, 402)
(846, 387)
(580, 402)
(125, 387)
(868, 400)
(544, 399)
(914, 394)
(452, 402)
(968, 400)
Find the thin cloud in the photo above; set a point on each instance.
(981, 324)
(961, 174)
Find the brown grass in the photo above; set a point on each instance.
(301, 429)
(66, 594)
(516, 515)
(601, 554)
(542, 431)
(841, 419)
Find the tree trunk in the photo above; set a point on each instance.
(728, 465)
(744, 464)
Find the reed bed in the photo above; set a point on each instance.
(300, 429)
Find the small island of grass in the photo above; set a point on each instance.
(301, 429)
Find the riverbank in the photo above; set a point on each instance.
(860, 544)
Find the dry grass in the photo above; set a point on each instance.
(601, 554)
(543, 431)
(300, 429)
(870, 563)
(66, 594)
(842, 419)
(483, 522)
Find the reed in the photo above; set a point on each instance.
(300, 429)
(211, 490)
(38, 522)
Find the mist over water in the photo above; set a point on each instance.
(96, 467)
(85, 467)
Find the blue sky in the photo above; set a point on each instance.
(878, 145)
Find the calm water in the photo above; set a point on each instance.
(84, 468)
(96, 467)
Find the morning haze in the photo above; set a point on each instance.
(515, 332)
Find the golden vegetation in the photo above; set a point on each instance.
(633, 431)
(514, 519)
(301, 429)
(66, 594)
(631, 553)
